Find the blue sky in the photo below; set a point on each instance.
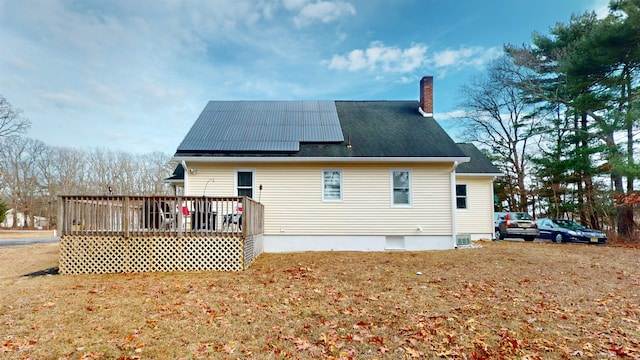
(133, 75)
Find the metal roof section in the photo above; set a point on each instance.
(264, 126)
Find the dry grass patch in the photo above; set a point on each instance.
(505, 300)
(22, 234)
(16, 261)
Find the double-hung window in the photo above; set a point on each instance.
(244, 183)
(401, 187)
(461, 196)
(332, 185)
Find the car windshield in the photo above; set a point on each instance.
(522, 216)
(569, 224)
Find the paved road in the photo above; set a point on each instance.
(27, 241)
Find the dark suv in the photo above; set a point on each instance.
(515, 224)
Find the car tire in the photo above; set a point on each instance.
(529, 238)
(557, 238)
(498, 235)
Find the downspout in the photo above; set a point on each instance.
(185, 191)
(493, 207)
(454, 227)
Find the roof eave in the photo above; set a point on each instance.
(479, 174)
(290, 159)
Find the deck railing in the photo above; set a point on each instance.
(101, 234)
(139, 216)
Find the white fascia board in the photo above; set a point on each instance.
(285, 159)
(479, 174)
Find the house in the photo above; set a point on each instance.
(342, 175)
(474, 194)
(22, 221)
(176, 180)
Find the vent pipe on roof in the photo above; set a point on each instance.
(426, 96)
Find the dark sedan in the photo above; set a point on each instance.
(561, 230)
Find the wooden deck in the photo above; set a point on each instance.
(107, 234)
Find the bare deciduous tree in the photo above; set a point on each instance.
(11, 120)
(33, 175)
(20, 174)
(499, 116)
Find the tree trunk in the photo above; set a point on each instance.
(523, 193)
(625, 212)
(625, 222)
(587, 207)
(591, 219)
(629, 125)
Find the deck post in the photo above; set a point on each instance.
(127, 217)
(178, 223)
(244, 216)
(61, 223)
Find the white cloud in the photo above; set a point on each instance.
(321, 11)
(68, 99)
(601, 8)
(475, 56)
(294, 4)
(406, 80)
(391, 59)
(452, 115)
(379, 57)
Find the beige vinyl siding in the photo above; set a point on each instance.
(292, 196)
(217, 179)
(477, 218)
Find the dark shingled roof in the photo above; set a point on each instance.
(479, 163)
(371, 128)
(177, 176)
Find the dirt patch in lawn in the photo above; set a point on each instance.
(504, 300)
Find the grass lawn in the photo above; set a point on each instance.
(505, 300)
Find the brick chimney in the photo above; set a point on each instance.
(426, 96)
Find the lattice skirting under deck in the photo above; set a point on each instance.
(80, 254)
(253, 247)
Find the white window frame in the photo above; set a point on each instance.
(466, 196)
(410, 196)
(253, 181)
(324, 195)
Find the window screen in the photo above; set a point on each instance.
(401, 187)
(245, 183)
(461, 196)
(331, 185)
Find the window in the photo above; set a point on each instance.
(331, 185)
(244, 183)
(401, 183)
(461, 196)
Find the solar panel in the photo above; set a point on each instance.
(263, 126)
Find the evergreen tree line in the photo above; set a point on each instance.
(561, 119)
